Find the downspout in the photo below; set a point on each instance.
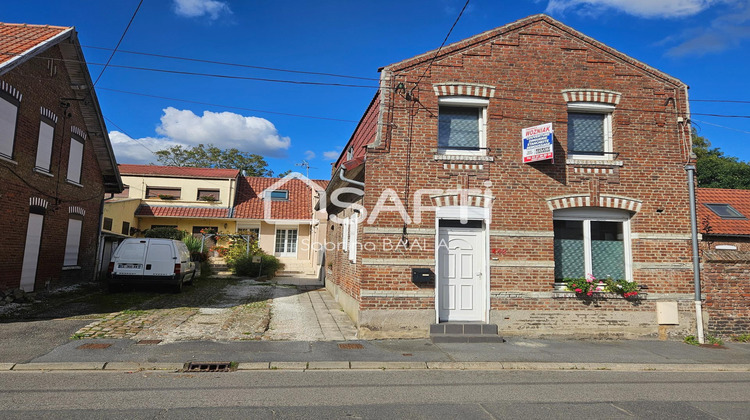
(690, 168)
(344, 178)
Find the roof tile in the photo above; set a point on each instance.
(177, 171)
(18, 38)
(181, 211)
(738, 199)
(250, 204)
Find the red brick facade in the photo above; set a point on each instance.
(528, 72)
(726, 284)
(44, 82)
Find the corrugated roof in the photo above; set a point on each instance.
(177, 171)
(738, 199)
(250, 205)
(146, 210)
(17, 39)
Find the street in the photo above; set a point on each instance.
(375, 394)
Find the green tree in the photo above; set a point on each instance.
(210, 156)
(715, 170)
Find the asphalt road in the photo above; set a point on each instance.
(375, 394)
(24, 340)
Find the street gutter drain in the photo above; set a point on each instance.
(208, 367)
(94, 346)
(351, 346)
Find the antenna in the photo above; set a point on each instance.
(305, 164)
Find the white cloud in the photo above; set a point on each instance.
(196, 8)
(309, 155)
(728, 30)
(640, 8)
(331, 155)
(225, 130)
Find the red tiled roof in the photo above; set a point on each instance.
(18, 38)
(738, 199)
(177, 171)
(177, 211)
(250, 206)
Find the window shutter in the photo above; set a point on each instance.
(44, 147)
(353, 239)
(74, 160)
(72, 243)
(8, 115)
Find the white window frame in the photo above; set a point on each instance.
(600, 215)
(286, 229)
(73, 241)
(596, 108)
(44, 146)
(75, 166)
(8, 126)
(345, 234)
(269, 195)
(480, 104)
(353, 219)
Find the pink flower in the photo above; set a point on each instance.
(590, 293)
(579, 290)
(589, 280)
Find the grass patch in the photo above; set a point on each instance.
(742, 338)
(709, 339)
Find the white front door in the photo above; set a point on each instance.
(286, 242)
(460, 277)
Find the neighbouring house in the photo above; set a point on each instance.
(723, 219)
(485, 173)
(56, 159)
(725, 258)
(223, 201)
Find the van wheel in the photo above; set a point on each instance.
(178, 287)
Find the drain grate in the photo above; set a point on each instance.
(94, 346)
(148, 342)
(208, 367)
(351, 346)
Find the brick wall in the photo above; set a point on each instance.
(41, 88)
(726, 288)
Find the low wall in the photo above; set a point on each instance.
(726, 288)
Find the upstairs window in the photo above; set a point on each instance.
(8, 117)
(725, 211)
(590, 130)
(44, 145)
(461, 125)
(164, 193)
(278, 195)
(107, 224)
(75, 159)
(208, 195)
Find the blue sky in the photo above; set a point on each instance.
(702, 42)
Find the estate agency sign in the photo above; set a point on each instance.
(538, 143)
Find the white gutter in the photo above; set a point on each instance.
(344, 178)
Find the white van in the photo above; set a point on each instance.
(151, 261)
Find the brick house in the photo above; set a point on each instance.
(223, 201)
(56, 160)
(447, 218)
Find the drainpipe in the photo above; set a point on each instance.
(690, 168)
(343, 178)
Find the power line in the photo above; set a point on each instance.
(722, 126)
(442, 45)
(118, 42)
(225, 63)
(224, 106)
(129, 136)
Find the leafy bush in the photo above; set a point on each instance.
(742, 338)
(709, 339)
(244, 266)
(238, 248)
(165, 232)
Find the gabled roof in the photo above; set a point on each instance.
(21, 42)
(738, 199)
(502, 30)
(146, 210)
(177, 171)
(250, 205)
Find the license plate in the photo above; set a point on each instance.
(130, 266)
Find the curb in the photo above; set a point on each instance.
(369, 365)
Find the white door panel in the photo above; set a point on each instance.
(461, 286)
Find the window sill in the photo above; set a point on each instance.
(43, 172)
(74, 183)
(71, 267)
(7, 159)
(454, 157)
(593, 162)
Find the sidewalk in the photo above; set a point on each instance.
(515, 353)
